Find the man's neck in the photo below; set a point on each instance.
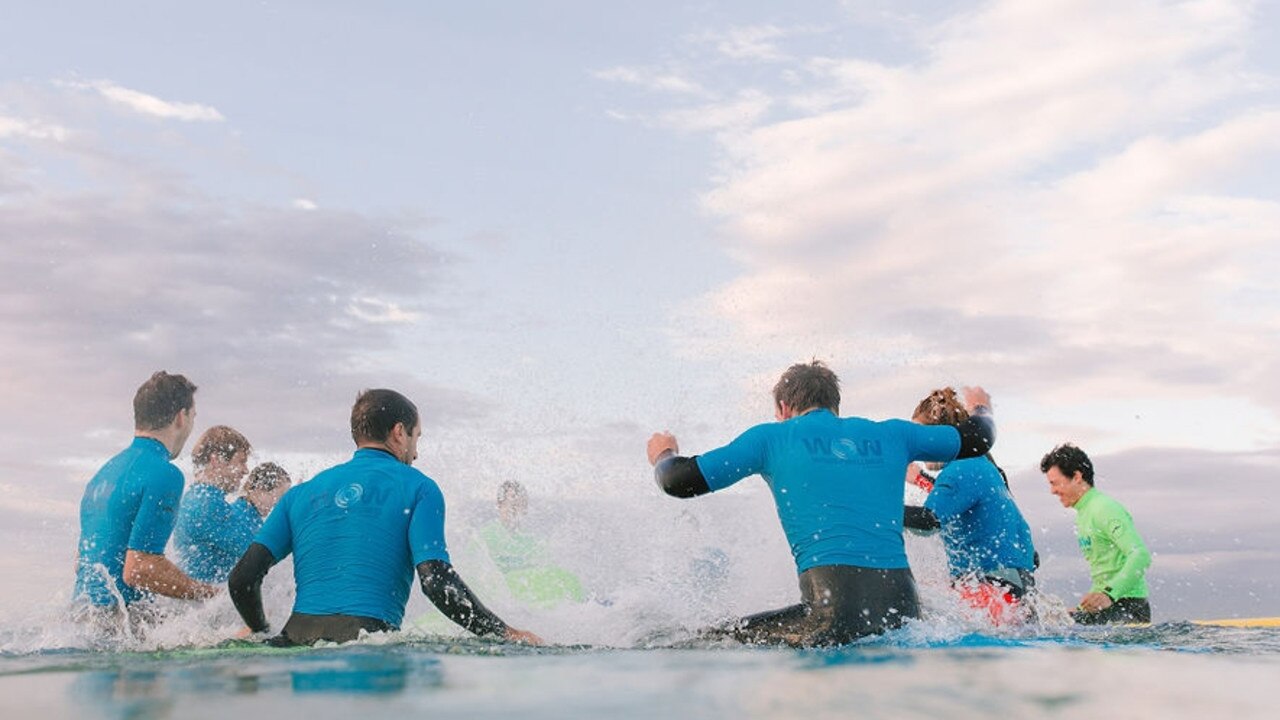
(163, 436)
(379, 446)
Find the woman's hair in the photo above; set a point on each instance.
(941, 407)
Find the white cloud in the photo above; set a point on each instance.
(145, 104)
(753, 42)
(31, 129)
(379, 312)
(650, 79)
(304, 204)
(1070, 196)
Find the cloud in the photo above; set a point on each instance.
(1072, 196)
(753, 42)
(650, 79)
(116, 266)
(145, 104)
(30, 129)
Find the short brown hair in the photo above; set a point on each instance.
(377, 412)
(808, 385)
(267, 476)
(941, 407)
(219, 440)
(160, 399)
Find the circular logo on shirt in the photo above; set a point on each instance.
(844, 448)
(348, 495)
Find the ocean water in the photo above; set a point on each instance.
(1168, 670)
(655, 573)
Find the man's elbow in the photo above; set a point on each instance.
(681, 477)
(137, 568)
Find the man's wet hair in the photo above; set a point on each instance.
(941, 407)
(808, 385)
(160, 399)
(267, 476)
(221, 442)
(377, 412)
(1068, 459)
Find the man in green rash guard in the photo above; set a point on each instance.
(530, 575)
(1117, 557)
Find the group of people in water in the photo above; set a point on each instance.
(360, 531)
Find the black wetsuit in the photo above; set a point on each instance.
(1122, 611)
(839, 604)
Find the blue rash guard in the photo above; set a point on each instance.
(130, 504)
(837, 482)
(357, 531)
(212, 533)
(982, 528)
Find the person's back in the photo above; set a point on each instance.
(128, 510)
(348, 529)
(212, 532)
(357, 532)
(837, 486)
(983, 531)
(129, 504)
(836, 482)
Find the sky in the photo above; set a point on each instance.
(560, 226)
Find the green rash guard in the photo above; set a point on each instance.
(1117, 558)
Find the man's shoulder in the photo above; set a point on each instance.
(972, 469)
(1105, 506)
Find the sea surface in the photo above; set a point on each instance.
(1164, 671)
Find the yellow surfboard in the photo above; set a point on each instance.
(1242, 622)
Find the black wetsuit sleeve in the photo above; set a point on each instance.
(977, 434)
(680, 476)
(245, 585)
(919, 518)
(447, 591)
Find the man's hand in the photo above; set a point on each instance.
(917, 477)
(661, 443)
(524, 637)
(1095, 602)
(975, 397)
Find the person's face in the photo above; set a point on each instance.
(1068, 489)
(407, 442)
(186, 422)
(227, 473)
(267, 499)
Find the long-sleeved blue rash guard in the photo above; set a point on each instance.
(357, 531)
(982, 528)
(837, 482)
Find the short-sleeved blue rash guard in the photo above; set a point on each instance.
(982, 528)
(130, 504)
(212, 533)
(837, 482)
(356, 532)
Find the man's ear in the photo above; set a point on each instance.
(1077, 476)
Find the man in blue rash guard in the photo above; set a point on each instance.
(129, 507)
(357, 531)
(989, 548)
(837, 484)
(213, 532)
